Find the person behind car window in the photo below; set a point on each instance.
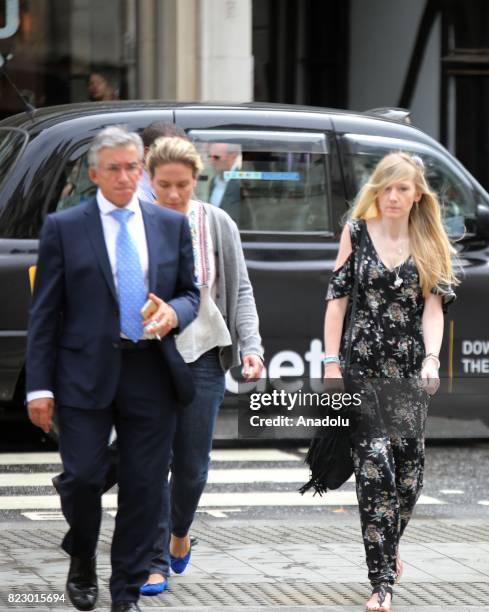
(404, 284)
(102, 85)
(155, 130)
(87, 349)
(226, 326)
(224, 191)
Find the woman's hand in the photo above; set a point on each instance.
(430, 377)
(252, 367)
(333, 378)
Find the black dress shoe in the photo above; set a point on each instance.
(125, 606)
(82, 584)
(56, 483)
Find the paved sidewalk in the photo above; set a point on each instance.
(270, 565)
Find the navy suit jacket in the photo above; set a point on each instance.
(73, 343)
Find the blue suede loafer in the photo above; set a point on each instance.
(153, 589)
(179, 564)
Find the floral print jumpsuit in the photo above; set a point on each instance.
(387, 430)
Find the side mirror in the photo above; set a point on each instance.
(482, 219)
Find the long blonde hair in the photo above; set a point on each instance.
(429, 243)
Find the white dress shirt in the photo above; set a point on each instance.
(220, 183)
(110, 227)
(145, 189)
(135, 225)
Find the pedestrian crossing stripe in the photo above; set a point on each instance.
(54, 515)
(217, 455)
(216, 476)
(292, 472)
(213, 500)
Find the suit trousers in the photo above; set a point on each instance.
(144, 415)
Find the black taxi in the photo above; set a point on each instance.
(296, 169)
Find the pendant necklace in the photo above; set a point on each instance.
(398, 281)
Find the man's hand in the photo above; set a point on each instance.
(41, 412)
(252, 367)
(163, 320)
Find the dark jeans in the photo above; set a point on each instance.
(144, 415)
(191, 456)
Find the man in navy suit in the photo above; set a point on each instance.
(88, 353)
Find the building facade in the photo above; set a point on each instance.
(431, 56)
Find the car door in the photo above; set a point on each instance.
(287, 180)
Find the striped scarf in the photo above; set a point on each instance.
(200, 243)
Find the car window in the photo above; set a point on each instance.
(455, 194)
(12, 141)
(266, 181)
(77, 187)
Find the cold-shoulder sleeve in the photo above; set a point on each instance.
(447, 295)
(355, 226)
(341, 283)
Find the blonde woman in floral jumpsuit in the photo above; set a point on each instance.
(404, 284)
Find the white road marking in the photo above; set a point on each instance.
(252, 454)
(290, 498)
(48, 515)
(215, 513)
(212, 500)
(47, 507)
(451, 491)
(29, 458)
(218, 513)
(21, 479)
(484, 502)
(219, 454)
(221, 476)
(292, 475)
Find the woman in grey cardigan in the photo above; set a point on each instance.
(226, 326)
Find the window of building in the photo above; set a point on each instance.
(63, 51)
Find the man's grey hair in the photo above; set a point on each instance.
(111, 138)
(233, 148)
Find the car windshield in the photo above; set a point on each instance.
(12, 141)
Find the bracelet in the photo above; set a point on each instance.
(331, 359)
(434, 357)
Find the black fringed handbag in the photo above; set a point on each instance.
(329, 456)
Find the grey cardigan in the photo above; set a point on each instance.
(234, 293)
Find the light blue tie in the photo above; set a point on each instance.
(130, 279)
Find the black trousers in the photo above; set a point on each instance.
(144, 415)
(389, 478)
